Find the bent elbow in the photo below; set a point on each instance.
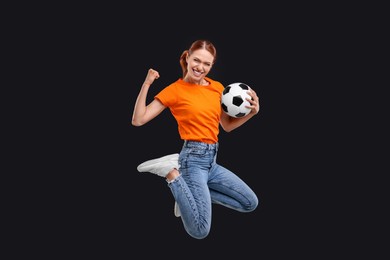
(136, 123)
(227, 129)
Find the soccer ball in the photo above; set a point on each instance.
(233, 100)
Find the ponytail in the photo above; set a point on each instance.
(183, 62)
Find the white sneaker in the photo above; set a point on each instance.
(176, 210)
(160, 166)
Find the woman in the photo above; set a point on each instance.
(194, 177)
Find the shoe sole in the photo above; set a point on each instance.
(171, 157)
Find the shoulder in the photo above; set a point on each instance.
(216, 84)
(176, 83)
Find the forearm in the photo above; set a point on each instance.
(231, 123)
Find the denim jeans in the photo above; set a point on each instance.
(203, 181)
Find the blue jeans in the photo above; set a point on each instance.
(202, 181)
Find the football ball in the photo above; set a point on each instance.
(233, 100)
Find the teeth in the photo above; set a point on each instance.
(197, 73)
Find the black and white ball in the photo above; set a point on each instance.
(233, 99)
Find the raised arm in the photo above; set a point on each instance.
(144, 113)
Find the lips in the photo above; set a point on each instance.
(197, 73)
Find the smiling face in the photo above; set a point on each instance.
(199, 65)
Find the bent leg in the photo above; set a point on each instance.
(227, 189)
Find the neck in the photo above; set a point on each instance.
(201, 82)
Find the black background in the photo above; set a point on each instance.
(90, 197)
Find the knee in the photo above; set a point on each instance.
(200, 232)
(253, 204)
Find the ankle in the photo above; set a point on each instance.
(172, 175)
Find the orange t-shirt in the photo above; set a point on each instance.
(196, 108)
